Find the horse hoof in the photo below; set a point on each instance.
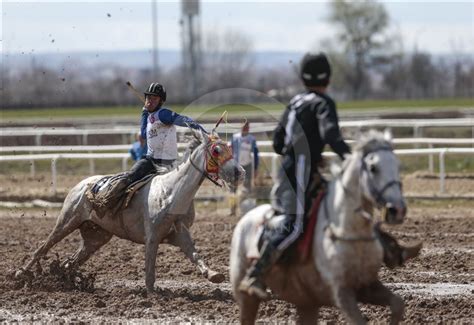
(215, 277)
(411, 251)
(19, 274)
(22, 275)
(150, 292)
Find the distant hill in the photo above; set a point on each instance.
(138, 59)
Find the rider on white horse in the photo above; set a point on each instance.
(158, 127)
(309, 122)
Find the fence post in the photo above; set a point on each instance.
(32, 167)
(53, 174)
(91, 165)
(84, 137)
(417, 133)
(124, 163)
(441, 171)
(430, 160)
(38, 138)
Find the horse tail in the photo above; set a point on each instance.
(242, 240)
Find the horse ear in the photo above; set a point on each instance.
(197, 134)
(387, 135)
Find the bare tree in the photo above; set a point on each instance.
(227, 59)
(423, 74)
(396, 78)
(361, 30)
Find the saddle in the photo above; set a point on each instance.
(114, 193)
(274, 220)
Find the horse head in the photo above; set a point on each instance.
(380, 177)
(218, 161)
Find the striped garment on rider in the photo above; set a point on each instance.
(300, 204)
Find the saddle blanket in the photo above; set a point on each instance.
(113, 191)
(302, 246)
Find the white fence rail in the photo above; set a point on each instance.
(260, 144)
(442, 152)
(128, 132)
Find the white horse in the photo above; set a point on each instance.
(161, 211)
(345, 257)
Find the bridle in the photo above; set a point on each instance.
(376, 194)
(214, 159)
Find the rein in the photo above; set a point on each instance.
(334, 237)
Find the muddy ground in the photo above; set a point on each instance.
(437, 287)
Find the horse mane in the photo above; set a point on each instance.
(193, 144)
(372, 141)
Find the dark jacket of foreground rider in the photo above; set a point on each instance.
(309, 122)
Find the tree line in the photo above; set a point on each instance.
(368, 63)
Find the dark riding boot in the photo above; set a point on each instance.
(395, 254)
(252, 283)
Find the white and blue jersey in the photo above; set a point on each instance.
(159, 129)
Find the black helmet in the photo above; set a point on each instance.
(315, 70)
(156, 89)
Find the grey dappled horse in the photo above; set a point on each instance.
(161, 211)
(345, 257)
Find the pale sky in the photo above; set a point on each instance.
(65, 26)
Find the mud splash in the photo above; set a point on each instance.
(55, 278)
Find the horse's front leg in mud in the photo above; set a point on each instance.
(151, 249)
(346, 300)
(378, 294)
(182, 238)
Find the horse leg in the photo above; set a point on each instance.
(93, 238)
(66, 224)
(248, 308)
(347, 302)
(182, 238)
(307, 315)
(151, 249)
(378, 294)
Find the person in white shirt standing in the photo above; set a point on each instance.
(244, 146)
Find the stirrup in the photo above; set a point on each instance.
(254, 287)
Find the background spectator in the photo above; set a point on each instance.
(138, 149)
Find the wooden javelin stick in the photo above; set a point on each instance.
(219, 121)
(136, 92)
